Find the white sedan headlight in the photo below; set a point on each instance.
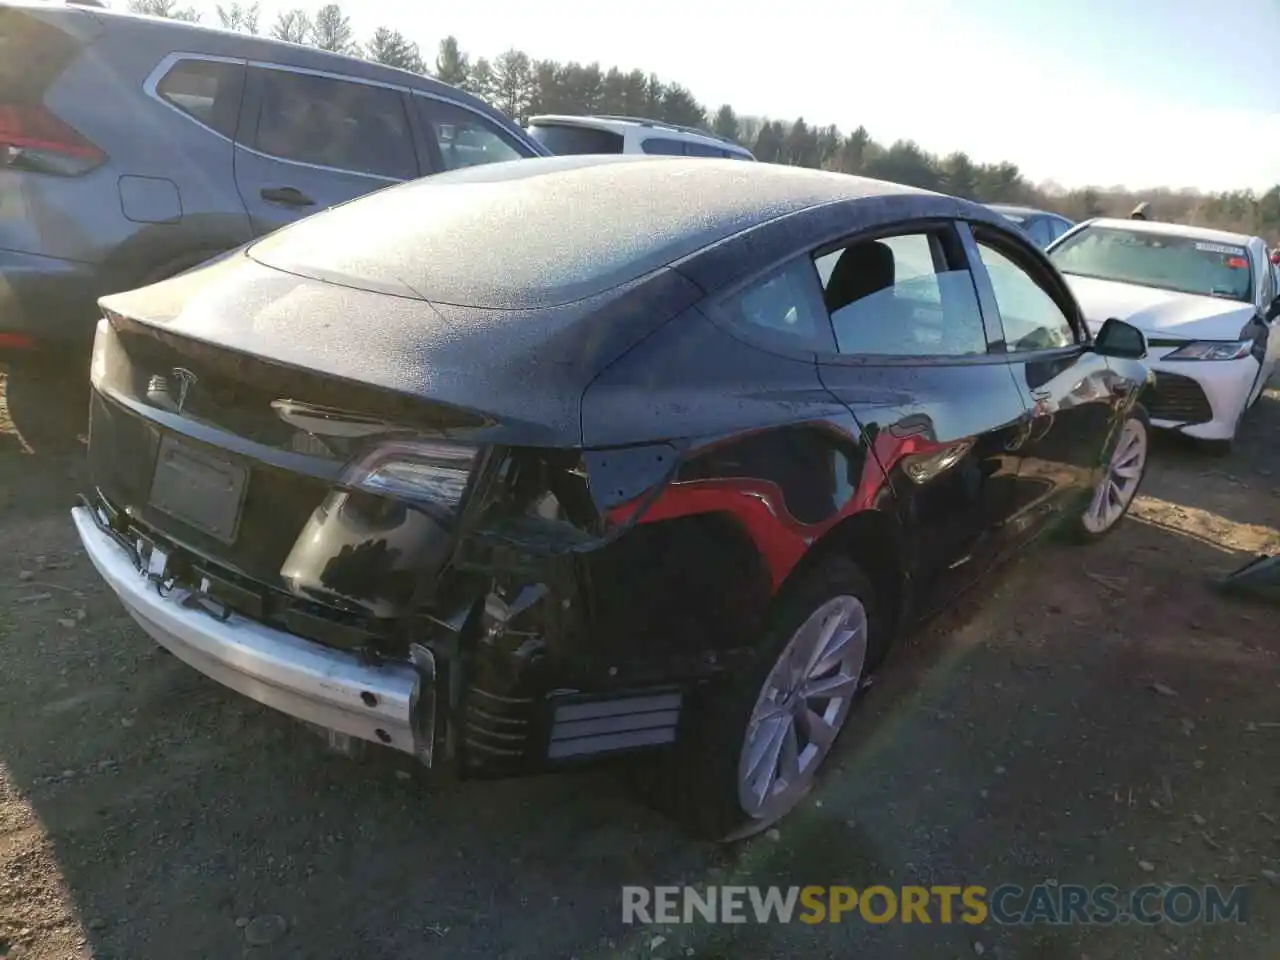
(1212, 350)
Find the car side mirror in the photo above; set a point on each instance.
(1120, 339)
(1273, 311)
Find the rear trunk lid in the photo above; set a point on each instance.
(506, 376)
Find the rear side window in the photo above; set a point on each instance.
(465, 138)
(208, 90)
(342, 124)
(898, 297)
(564, 140)
(693, 148)
(663, 146)
(784, 309)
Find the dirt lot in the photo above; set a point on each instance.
(1097, 716)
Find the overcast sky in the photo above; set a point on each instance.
(1135, 92)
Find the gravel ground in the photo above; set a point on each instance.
(1090, 716)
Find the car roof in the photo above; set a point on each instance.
(1159, 228)
(199, 39)
(1024, 211)
(601, 221)
(616, 124)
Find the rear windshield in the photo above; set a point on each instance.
(1182, 264)
(563, 139)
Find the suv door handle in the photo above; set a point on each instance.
(286, 196)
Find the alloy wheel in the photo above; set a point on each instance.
(1119, 482)
(801, 708)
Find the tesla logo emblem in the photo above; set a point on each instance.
(185, 380)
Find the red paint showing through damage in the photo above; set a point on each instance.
(16, 341)
(759, 507)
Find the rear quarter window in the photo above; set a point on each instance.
(206, 90)
(564, 140)
(663, 146)
(783, 309)
(693, 148)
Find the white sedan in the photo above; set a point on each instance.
(1207, 301)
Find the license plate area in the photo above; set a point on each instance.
(202, 490)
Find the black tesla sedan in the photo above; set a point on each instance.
(540, 462)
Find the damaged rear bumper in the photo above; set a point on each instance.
(390, 704)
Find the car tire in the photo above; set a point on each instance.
(1115, 492)
(701, 783)
(48, 400)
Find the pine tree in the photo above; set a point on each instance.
(331, 30)
(513, 84)
(395, 50)
(293, 26)
(452, 65)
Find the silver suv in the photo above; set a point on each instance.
(133, 148)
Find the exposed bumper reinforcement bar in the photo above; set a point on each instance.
(329, 688)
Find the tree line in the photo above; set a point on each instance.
(522, 86)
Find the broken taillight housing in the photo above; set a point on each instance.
(35, 141)
(424, 472)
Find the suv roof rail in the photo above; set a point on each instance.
(667, 125)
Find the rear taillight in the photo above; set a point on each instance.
(16, 341)
(434, 474)
(34, 140)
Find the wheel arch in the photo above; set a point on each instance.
(872, 540)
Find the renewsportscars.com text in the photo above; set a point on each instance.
(1047, 903)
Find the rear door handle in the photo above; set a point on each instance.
(287, 196)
